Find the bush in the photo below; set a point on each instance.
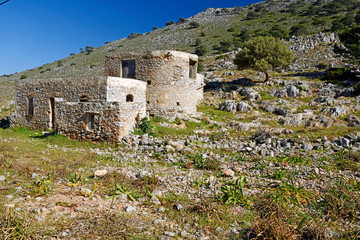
(197, 42)
(339, 74)
(298, 30)
(264, 54)
(194, 24)
(155, 28)
(23, 77)
(144, 126)
(134, 35)
(169, 23)
(181, 20)
(322, 66)
(201, 50)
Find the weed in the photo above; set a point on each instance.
(106, 158)
(279, 174)
(261, 166)
(122, 189)
(4, 160)
(337, 202)
(347, 161)
(157, 119)
(73, 178)
(241, 158)
(232, 193)
(273, 223)
(41, 186)
(286, 193)
(13, 226)
(208, 163)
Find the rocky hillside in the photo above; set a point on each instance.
(274, 160)
(215, 30)
(260, 160)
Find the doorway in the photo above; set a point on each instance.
(52, 113)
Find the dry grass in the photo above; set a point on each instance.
(273, 223)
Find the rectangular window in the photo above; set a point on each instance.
(30, 111)
(128, 69)
(91, 122)
(192, 69)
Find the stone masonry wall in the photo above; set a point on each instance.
(42, 90)
(170, 89)
(111, 121)
(105, 114)
(118, 89)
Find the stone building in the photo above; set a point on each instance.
(173, 85)
(107, 108)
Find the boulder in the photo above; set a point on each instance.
(250, 94)
(228, 105)
(335, 111)
(292, 91)
(352, 121)
(243, 107)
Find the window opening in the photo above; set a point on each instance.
(91, 122)
(177, 103)
(129, 98)
(149, 82)
(31, 106)
(192, 69)
(84, 98)
(128, 69)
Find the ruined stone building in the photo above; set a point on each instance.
(107, 108)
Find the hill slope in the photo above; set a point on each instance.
(218, 30)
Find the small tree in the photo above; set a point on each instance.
(264, 54)
(155, 28)
(169, 23)
(350, 38)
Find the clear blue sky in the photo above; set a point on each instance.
(36, 32)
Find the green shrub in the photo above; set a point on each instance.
(201, 50)
(144, 126)
(339, 74)
(194, 24)
(23, 77)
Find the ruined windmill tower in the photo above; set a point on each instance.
(174, 87)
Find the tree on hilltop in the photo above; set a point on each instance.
(264, 54)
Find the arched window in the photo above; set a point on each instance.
(129, 98)
(84, 98)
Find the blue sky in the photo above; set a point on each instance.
(36, 32)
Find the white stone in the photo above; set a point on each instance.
(100, 173)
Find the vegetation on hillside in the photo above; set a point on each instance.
(220, 30)
(264, 54)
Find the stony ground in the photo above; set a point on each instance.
(276, 160)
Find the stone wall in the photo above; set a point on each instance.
(108, 122)
(41, 91)
(172, 87)
(96, 109)
(118, 89)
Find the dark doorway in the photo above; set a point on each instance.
(128, 69)
(52, 112)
